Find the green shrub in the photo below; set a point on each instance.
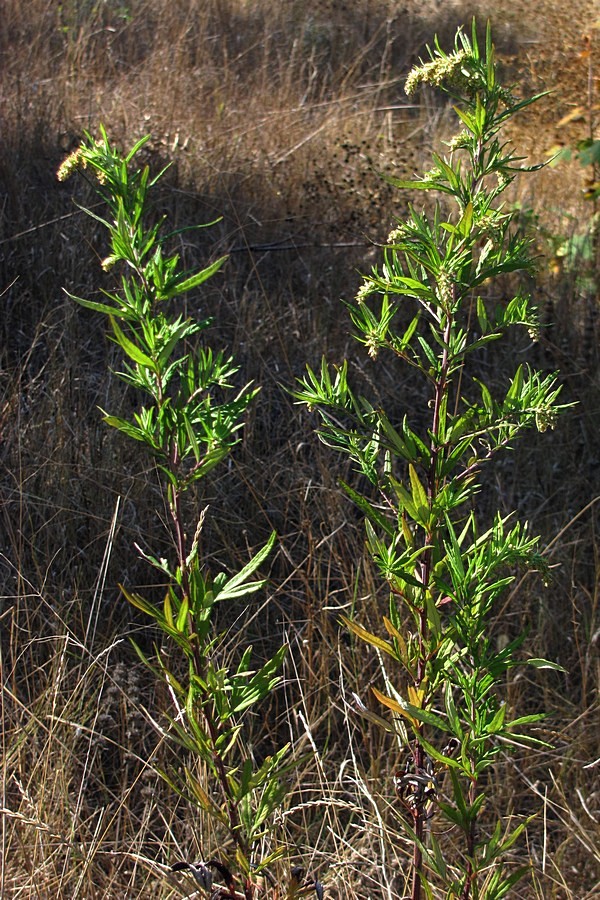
(188, 419)
(430, 307)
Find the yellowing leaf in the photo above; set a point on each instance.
(242, 862)
(394, 706)
(168, 609)
(393, 631)
(416, 696)
(369, 638)
(182, 615)
(202, 797)
(407, 534)
(139, 602)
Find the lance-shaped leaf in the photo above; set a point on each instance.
(132, 350)
(369, 509)
(413, 713)
(193, 281)
(368, 637)
(238, 585)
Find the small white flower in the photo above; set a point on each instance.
(363, 292)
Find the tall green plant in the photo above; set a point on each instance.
(188, 419)
(430, 306)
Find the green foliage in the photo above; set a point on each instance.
(446, 571)
(188, 418)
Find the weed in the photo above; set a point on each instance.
(188, 418)
(446, 570)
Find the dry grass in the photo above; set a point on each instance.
(277, 116)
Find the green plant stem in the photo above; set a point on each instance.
(199, 671)
(198, 664)
(441, 388)
(471, 835)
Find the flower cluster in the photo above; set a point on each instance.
(434, 174)
(444, 289)
(460, 141)
(396, 235)
(545, 418)
(372, 345)
(74, 161)
(453, 70)
(363, 292)
(507, 97)
(83, 157)
(108, 263)
(491, 225)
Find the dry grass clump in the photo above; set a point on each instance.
(278, 117)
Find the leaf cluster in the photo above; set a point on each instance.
(185, 422)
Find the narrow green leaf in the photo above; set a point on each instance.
(131, 349)
(126, 427)
(236, 586)
(103, 308)
(451, 712)
(194, 281)
(405, 499)
(136, 147)
(419, 495)
(466, 221)
(545, 664)
(397, 443)
(407, 336)
(433, 616)
(466, 118)
(369, 510)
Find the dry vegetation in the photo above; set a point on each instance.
(277, 117)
